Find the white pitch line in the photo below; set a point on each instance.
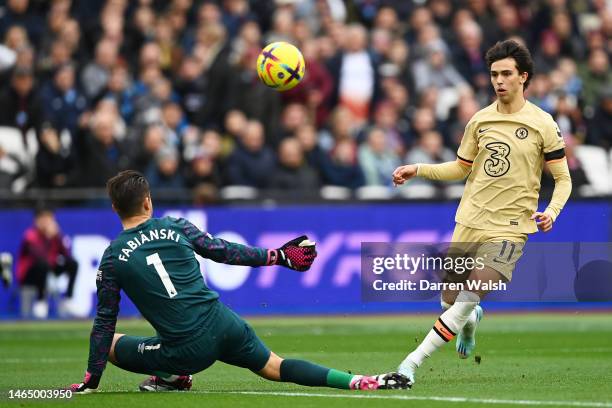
(593, 404)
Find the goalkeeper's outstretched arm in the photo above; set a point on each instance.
(297, 254)
(448, 171)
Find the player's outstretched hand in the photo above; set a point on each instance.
(404, 173)
(297, 254)
(89, 384)
(543, 221)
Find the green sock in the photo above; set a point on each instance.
(339, 379)
(306, 373)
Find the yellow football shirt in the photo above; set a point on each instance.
(507, 154)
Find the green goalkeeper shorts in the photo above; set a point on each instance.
(228, 339)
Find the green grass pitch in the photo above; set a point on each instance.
(527, 360)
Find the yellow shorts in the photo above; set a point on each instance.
(499, 250)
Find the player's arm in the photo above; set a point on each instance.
(103, 330)
(557, 165)
(297, 254)
(448, 171)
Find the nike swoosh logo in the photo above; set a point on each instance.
(483, 130)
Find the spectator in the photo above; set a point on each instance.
(420, 18)
(235, 13)
(355, 75)
(100, 155)
(16, 37)
(58, 54)
(209, 146)
(62, 102)
(567, 115)
(570, 45)
(540, 93)
(252, 162)
(596, 75)
(165, 173)
(235, 124)
(17, 13)
(547, 58)
(429, 150)
(203, 171)
(465, 110)
(508, 23)
(190, 85)
(342, 168)
(54, 160)
(282, 26)
(468, 57)
(397, 67)
(118, 88)
(292, 171)
(213, 50)
(294, 116)
(21, 108)
(388, 19)
(423, 121)
(442, 11)
(600, 126)
(170, 52)
(173, 118)
(572, 83)
(96, 74)
(8, 50)
(140, 29)
(376, 160)
(315, 89)
(148, 146)
(436, 72)
(246, 93)
(314, 155)
(43, 250)
(341, 126)
(11, 169)
(56, 19)
(70, 35)
(386, 118)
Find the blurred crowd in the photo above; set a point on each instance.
(170, 88)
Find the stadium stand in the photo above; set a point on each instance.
(169, 88)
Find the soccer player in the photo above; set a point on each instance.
(502, 153)
(153, 261)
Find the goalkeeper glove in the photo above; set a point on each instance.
(89, 384)
(297, 254)
(6, 262)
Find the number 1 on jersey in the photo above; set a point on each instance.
(156, 261)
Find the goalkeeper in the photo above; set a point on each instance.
(153, 261)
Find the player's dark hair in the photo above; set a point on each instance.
(512, 49)
(127, 190)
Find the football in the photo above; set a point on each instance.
(281, 66)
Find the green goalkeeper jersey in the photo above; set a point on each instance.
(155, 265)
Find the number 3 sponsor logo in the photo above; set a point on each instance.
(497, 164)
